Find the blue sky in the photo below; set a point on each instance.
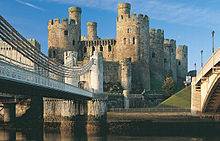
(189, 22)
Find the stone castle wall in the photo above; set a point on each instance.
(106, 46)
(152, 57)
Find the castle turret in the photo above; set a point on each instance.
(182, 63)
(58, 38)
(156, 58)
(124, 10)
(170, 58)
(64, 35)
(92, 31)
(75, 14)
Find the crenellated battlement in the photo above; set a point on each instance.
(60, 23)
(156, 32)
(139, 18)
(103, 42)
(74, 9)
(182, 48)
(169, 42)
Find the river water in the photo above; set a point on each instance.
(37, 135)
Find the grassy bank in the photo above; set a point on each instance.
(181, 99)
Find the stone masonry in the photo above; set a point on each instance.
(152, 57)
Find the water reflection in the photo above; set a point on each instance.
(39, 135)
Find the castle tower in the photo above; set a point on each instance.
(170, 58)
(156, 58)
(182, 63)
(92, 31)
(58, 38)
(75, 14)
(64, 35)
(132, 41)
(124, 10)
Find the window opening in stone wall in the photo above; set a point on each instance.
(101, 48)
(65, 32)
(85, 49)
(124, 41)
(93, 49)
(128, 30)
(153, 55)
(109, 48)
(133, 40)
(179, 63)
(54, 54)
(121, 17)
(165, 60)
(129, 41)
(73, 42)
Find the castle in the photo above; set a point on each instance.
(138, 58)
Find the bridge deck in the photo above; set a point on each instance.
(16, 80)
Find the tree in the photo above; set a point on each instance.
(169, 86)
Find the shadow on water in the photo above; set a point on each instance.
(80, 134)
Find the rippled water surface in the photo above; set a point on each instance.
(61, 136)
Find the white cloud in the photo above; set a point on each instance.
(173, 12)
(30, 5)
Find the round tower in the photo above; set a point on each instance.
(92, 30)
(124, 9)
(75, 14)
(170, 58)
(182, 63)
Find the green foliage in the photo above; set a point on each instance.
(181, 99)
(169, 86)
(113, 87)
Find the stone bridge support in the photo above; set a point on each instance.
(73, 115)
(9, 112)
(97, 114)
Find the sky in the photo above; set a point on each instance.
(189, 22)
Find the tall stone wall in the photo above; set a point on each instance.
(156, 58)
(92, 31)
(182, 63)
(111, 72)
(106, 46)
(170, 58)
(132, 38)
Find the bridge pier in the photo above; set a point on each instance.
(73, 116)
(9, 112)
(97, 115)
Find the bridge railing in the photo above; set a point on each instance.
(17, 73)
(210, 64)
